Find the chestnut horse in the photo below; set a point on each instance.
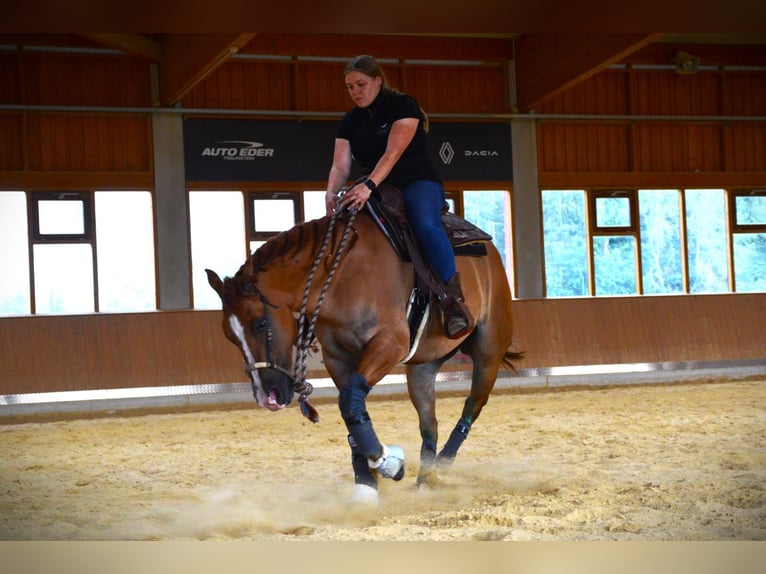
(348, 269)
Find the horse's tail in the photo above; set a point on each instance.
(511, 357)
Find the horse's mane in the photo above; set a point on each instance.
(307, 235)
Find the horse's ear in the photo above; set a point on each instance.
(215, 282)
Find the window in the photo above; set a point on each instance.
(15, 296)
(269, 213)
(88, 251)
(125, 242)
(62, 252)
(749, 239)
(707, 240)
(614, 229)
(661, 248)
(491, 211)
(565, 243)
(654, 241)
(217, 229)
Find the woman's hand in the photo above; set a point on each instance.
(330, 202)
(357, 196)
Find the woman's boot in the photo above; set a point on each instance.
(458, 320)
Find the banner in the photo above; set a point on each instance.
(301, 150)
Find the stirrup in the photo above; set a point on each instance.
(391, 463)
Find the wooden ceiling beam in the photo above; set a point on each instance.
(547, 64)
(188, 58)
(135, 44)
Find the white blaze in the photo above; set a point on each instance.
(239, 333)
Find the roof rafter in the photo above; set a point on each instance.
(188, 58)
(547, 64)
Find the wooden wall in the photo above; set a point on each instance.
(101, 351)
(570, 151)
(58, 149)
(319, 87)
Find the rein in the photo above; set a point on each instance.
(305, 338)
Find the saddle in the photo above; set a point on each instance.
(386, 206)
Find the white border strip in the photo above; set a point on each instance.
(223, 392)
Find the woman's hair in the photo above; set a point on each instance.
(369, 66)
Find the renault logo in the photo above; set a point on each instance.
(446, 153)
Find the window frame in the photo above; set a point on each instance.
(250, 216)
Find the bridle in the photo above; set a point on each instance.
(303, 388)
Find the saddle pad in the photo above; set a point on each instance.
(461, 232)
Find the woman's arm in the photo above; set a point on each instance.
(400, 136)
(339, 172)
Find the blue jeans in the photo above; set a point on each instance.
(424, 200)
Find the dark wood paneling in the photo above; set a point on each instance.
(667, 93)
(381, 46)
(604, 93)
(583, 147)
(745, 94)
(245, 85)
(93, 80)
(746, 147)
(682, 146)
(458, 89)
(677, 147)
(11, 157)
(9, 72)
(73, 142)
(319, 87)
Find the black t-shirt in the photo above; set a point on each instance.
(367, 131)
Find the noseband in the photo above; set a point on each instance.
(303, 388)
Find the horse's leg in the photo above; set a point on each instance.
(378, 358)
(421, 385)
(365, 482)
(482, 383)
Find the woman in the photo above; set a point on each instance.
(387, 134)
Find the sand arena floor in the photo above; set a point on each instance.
(667, 462)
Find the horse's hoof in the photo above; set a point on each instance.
(444, 462)
(363, 494)
(428, 480)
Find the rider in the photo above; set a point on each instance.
(387, 134)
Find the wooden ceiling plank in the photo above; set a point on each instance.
(188, 58)
(547, 64)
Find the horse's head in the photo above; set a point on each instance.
(264, 331)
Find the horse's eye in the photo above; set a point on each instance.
(259, 325)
